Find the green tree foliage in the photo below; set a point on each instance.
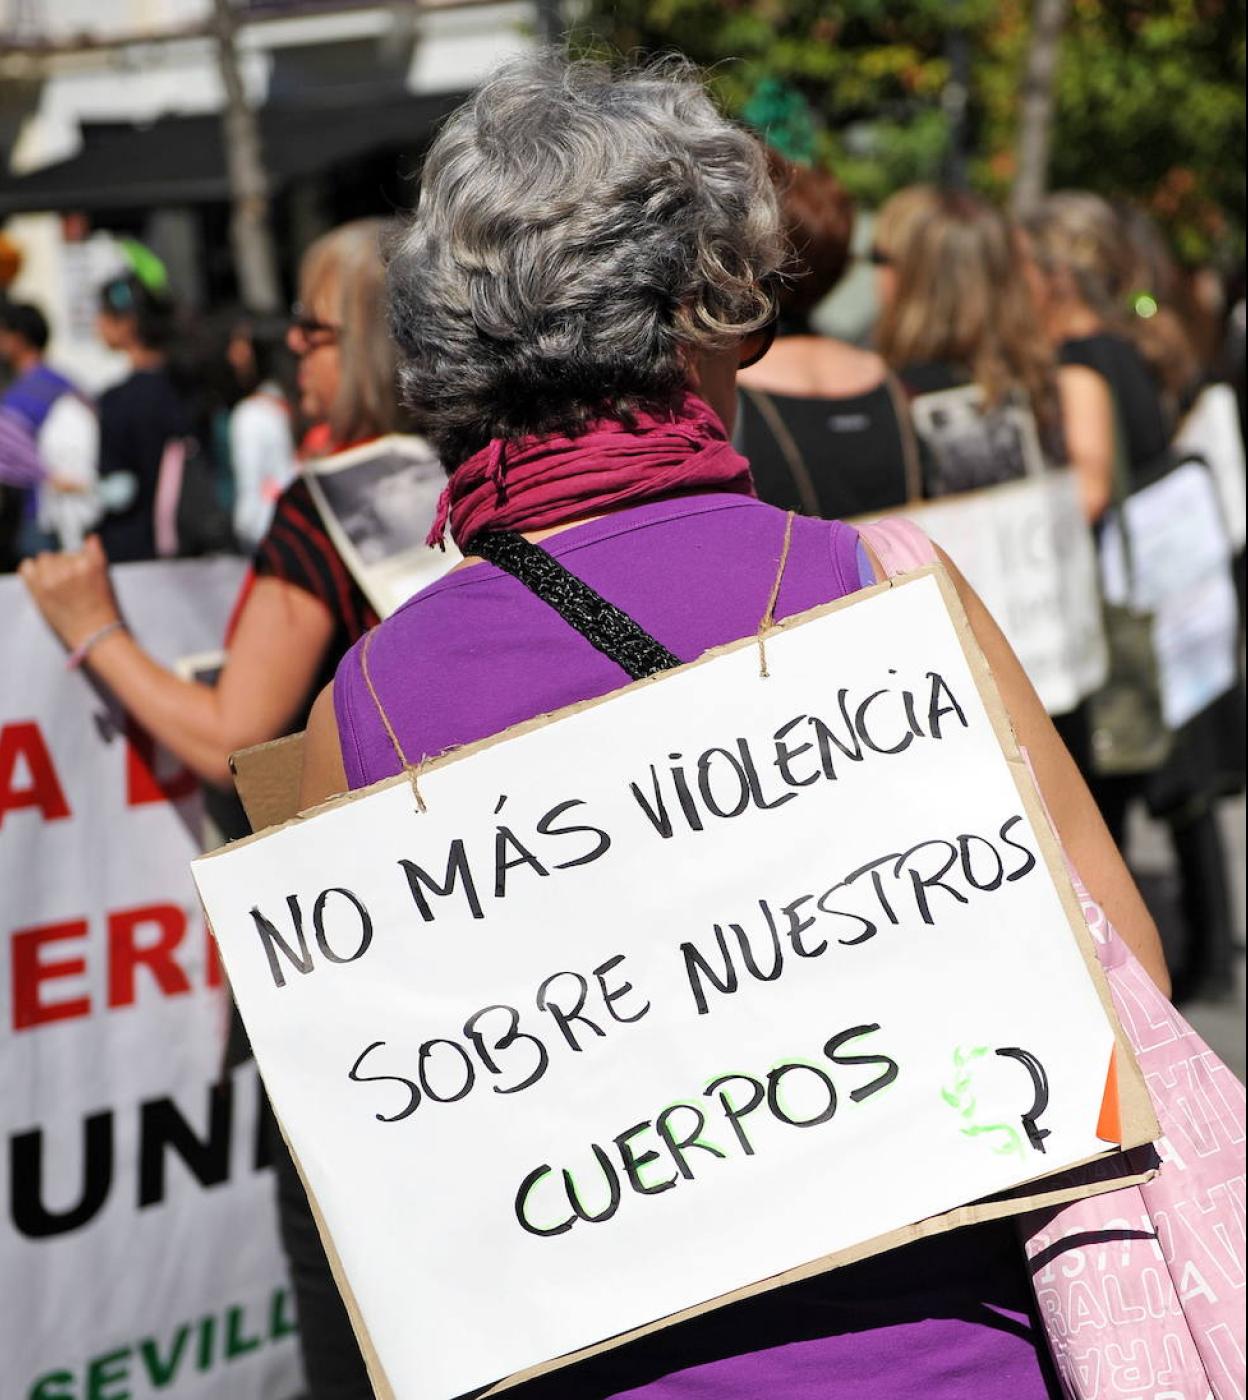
(1151, 107)
(1150, 100)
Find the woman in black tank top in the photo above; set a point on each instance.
(823, 425)
(1082, 272)
(957, 322)
(1133, 388)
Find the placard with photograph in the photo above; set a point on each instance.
(969, 443)
(378, 502)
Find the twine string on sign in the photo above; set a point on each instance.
(411, 769)
(769, 617)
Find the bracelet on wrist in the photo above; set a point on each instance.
(83, 649)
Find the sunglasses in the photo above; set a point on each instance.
(308, 332)
(755, 346)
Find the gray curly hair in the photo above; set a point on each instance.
(580, 233)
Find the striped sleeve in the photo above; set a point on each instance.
(19, 456)
(298, 551)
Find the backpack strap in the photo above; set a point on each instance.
(785, 441)
(169, 479)
(898, 544)
(906, 435)
(605, 627)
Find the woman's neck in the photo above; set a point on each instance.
(816, 367)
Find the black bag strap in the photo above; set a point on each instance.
(604, 626)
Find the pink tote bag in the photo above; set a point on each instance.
(1141, 1291)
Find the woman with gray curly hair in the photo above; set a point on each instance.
(588, 268)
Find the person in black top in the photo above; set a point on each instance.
(957, 322)
(822, 423)
(140, 416)
(1119, 375)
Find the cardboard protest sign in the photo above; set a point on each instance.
(1211, 431)
(795, 953)
(267, 778)
(378, 502)
(1177, 565)
(971, 444)
(1026, 550)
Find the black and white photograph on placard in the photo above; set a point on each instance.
(968, 443)
(378, 503)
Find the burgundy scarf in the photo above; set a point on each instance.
(543, 481)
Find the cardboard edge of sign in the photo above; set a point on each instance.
(268, 776)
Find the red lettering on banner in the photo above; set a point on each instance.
(125, 955)
(144, 782)
(150, 936)
(24, 741)
(30, 972)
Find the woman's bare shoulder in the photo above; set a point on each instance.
(816, 366)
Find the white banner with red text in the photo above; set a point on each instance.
(138, 1249)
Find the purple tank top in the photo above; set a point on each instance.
(944, 1319)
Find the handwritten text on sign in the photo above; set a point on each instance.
(668, 996)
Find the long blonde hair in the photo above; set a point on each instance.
(898, 217)
(960, 297)
(349, 259)
(1107, 260)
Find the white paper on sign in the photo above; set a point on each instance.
(557, 969)
(1177, 539)
(1027, 551)
(1179, 571)
(1195, 636)
(1212, 431)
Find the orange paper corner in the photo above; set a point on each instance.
(1109, 1124)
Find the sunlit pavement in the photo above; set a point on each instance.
(1221, 1022)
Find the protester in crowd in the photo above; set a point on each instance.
(588, 267)
(823, 423)
(1122, 387)
(301, 608)
(894, 224)
(1164, 312)
(956, 316)
(299, 611)
(142, 415)
(1189, 316)
(49, 438)
(201, 365)
(1080, 268)
(261, 440)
